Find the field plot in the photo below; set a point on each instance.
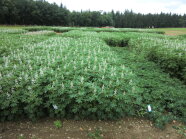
(92, 74)
(173, 31)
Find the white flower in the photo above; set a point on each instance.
(71, 85)
(55, 107)
(82, 79)
(115, 92)
(103, 87)
(149, 108)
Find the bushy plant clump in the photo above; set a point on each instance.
(165, 95)
(37, 28)
(10, 42)
(12, 31)
(66, 77)
(169, 54)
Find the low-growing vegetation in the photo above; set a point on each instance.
(168, 53)
(58, 124)
(96, 134)
(79, 75)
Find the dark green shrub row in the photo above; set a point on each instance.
(165, 95)
(37, 28)
(165, 53)
(172, 64)
(117, 43)
(76, 103)
(66, 29)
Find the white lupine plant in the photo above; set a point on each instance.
(60, 67)
(78, 75)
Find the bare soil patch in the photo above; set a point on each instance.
(175, 32)
(129, 128)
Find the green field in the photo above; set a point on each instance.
(92, 73)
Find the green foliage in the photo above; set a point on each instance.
(77, 75)
(21, 137)
(12, 31)
(181, 130)
(168, 53)
(166, 95)
(37, 28)
(11, 42)
(58, 124)
(117, 43)
(96, 134)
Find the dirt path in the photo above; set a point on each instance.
(129, 128)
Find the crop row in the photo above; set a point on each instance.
(66, 29)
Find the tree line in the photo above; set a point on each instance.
(40, 12)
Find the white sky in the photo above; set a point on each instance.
(142, 6)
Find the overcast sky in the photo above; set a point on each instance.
(142, 6)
